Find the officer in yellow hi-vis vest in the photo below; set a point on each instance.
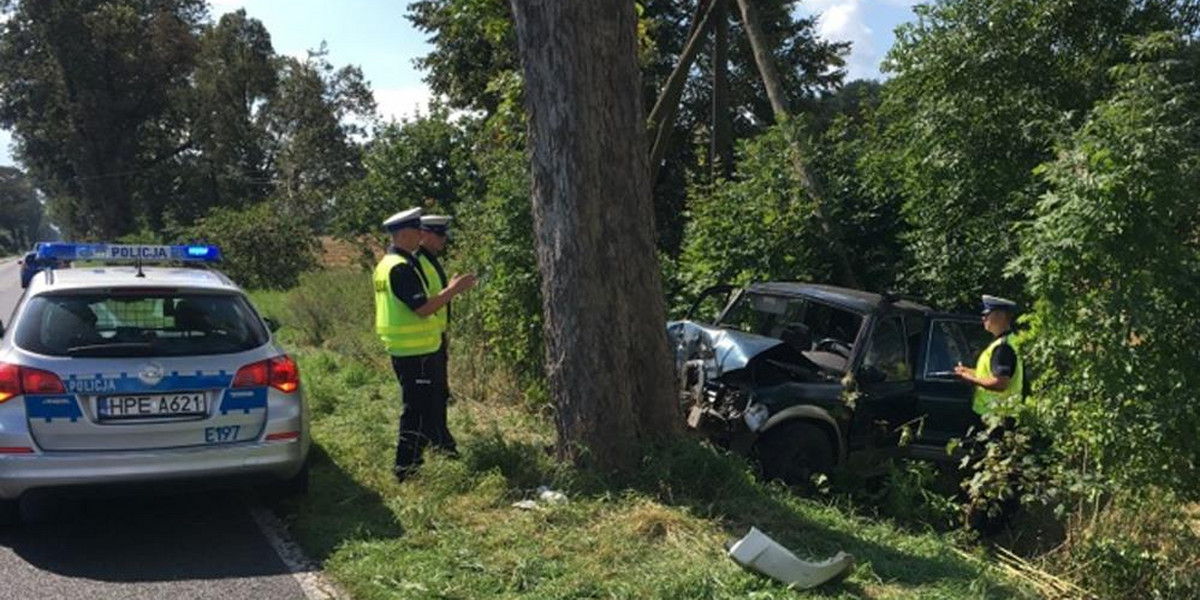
(434, 231)
(998, 376)
(404, 309)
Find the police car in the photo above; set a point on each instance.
(117, 374)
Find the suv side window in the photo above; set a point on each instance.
(951, 343)
(887, 352)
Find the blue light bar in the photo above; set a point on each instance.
(127, 252)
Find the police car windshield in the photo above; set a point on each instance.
(132, 323)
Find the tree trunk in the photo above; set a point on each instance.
(608, 365)
(770, 76)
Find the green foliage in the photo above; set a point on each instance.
(753, 229)
(343, 322)
(761, 226)
(1113, 259)
(473, 42)
(982, 88)
(504, 312)
(140, 114)
(1135, 546)
(424, 161)
(313, 119)
(474, 49)
(235, 74)
(1007, 467)
(23, 221)
(87, 88)
(261, 246)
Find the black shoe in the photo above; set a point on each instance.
(403, 473)
(450, 452)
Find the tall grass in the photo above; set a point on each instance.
(453, 532)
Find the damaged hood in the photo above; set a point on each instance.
(730, 349)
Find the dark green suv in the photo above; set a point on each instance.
(804, 377)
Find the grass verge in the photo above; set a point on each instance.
(453, 532)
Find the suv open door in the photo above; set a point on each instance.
(942, 397)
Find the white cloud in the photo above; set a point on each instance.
(6, 157)
(395, 104)
(224, 6)
(844, 21)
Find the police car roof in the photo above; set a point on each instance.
(125, 277)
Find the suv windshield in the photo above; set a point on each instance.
(823, 332)
(138, 323)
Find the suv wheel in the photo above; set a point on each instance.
(794, 452)
(10, 512)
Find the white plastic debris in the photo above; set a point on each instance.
(550, 496)
(759, 552)
(526, 505)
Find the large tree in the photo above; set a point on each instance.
(87, 88)
(22, 220)
(982, 89)
(606, 349)
(474, 52)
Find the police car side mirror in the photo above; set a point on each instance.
(272, 324)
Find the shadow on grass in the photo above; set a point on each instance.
(717, 486)
(720, 487)
(336, 510)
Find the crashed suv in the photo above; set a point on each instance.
(807, 377)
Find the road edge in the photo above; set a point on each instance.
(307, 573)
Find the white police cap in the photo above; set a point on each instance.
(435, 223)
(405, 219)
(991, 303)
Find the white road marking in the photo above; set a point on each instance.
(307, 573)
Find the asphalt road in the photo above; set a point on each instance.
(10, 287)
(137, 545)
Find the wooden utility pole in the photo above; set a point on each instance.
(721, 150)
(662, 116)
(766, 67)
(608, 364)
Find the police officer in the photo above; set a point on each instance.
(434, 230)
(404, 310)
(998, 375)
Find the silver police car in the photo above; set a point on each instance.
(123, 374)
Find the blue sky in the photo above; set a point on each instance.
(375, 35)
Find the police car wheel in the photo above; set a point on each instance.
(296, 485)
(10, 512)
(794, 452)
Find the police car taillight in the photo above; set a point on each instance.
(15, 380)
(280, 373)
(10, 381)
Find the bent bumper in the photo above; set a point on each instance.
(264, 461)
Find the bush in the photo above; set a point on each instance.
(1114, 260)
(504, 312)
(261, 246)
(1133, 547)
(763, 226)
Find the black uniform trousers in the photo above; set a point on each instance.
(444, 440)
(424, 416)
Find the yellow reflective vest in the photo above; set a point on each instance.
(434, 285)
(1009, 401)
(404, 332)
